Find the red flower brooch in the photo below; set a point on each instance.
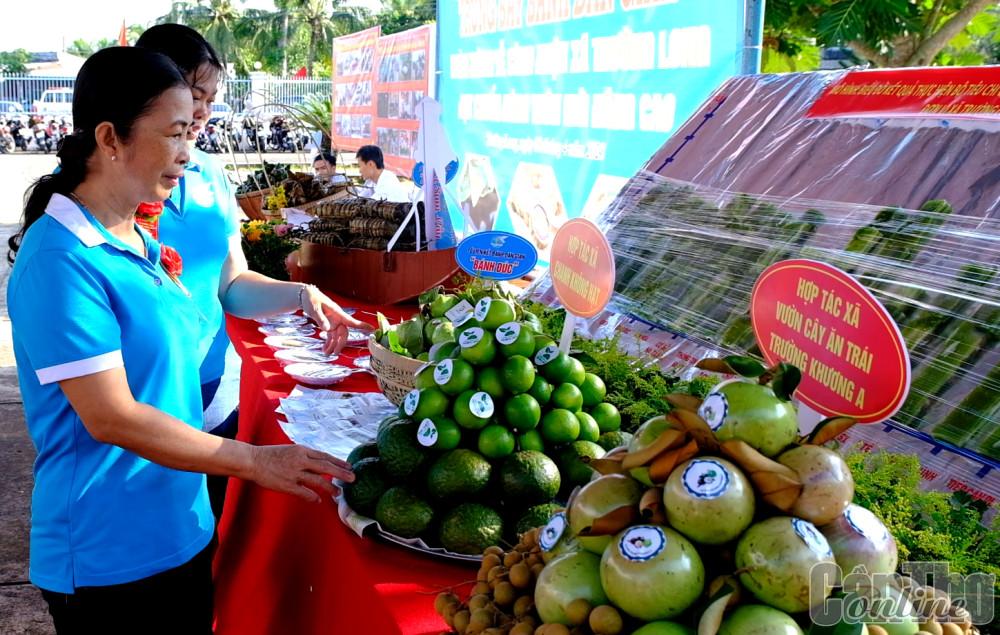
(147, 215)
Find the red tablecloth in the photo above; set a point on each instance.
(287, 566)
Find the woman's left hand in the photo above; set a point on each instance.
(331, 319)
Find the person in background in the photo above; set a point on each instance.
(108, 348)
(201, 220)
(383, 185)
(325, 168)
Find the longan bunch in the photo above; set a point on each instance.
(503, 600)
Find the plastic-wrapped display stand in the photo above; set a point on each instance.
(908, 205)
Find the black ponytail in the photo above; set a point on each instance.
(116, 85)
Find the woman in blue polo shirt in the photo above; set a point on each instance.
(108, 350)
(201, 221)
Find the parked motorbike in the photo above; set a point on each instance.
(6, 139)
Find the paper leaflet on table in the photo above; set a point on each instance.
(330, 421)
(435, 160)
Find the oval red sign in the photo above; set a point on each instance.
(582, 267)
(852, 356)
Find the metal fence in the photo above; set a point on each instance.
(241, 94)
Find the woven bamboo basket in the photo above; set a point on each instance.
(393, 372)
(252, 203)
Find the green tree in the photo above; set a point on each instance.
(216, 20)
(15, 61)
(80, 48)
(402, 15)
(322, 20)
(886, 33)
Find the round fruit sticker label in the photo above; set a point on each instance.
(714, 410)
(470, 337)
(552, 531)
(443, 372)
(411, 401)
(705, 479)
(814, 540)
(642, 543)
(865, 523)
(481, 405)
(427, 433)
(482, 309)
(508, 333)
(546, 355)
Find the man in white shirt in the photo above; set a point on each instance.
(383, 184)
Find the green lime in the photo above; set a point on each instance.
(492, 312)
(430, 326)
(589, 430)
(541, 390)
(488, 380)
(517, 374)
(473, 410)
(439, 433)
(424, 377)
(444, 333)
(515, 339)
(495, 441)
(593, 390)
(531, 440)
(560, 426)
(477, 346)
(554, 364)
(423, 357)
(424, 404)
(532, 321)
(567, 396)
(442, 304)
(607, 416)
(522, 412)
(577, 373)
(445, 350)
(541, 341)
(454, 376)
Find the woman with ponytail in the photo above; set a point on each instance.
(201, 220)
(108, 350)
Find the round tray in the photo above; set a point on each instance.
(371, 527)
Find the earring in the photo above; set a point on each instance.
(114, 157)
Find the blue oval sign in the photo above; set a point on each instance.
(496, 255)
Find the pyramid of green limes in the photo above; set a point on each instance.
(502, 418)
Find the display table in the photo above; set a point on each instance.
(288, 566)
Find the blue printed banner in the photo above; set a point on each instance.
(553, 104)
(496, 255)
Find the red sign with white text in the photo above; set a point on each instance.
(582, 267)
(403, 77)
(852, 356)
(953, 92)
(354, 64)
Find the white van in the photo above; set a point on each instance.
(55, 101)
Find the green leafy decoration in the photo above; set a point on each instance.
(928, 526)
(786, 379)
(745, 366)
